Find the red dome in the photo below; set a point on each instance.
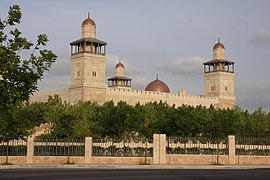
(218, 45)
(119, 65)
(157, 86)
(88, 21)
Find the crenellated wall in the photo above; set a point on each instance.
(102, 95)
(134, 96)
(43, 96)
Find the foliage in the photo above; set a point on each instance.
(125, 121)
(19, 75)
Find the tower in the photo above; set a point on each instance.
(219, 77)
(88, 62)
(120, 80)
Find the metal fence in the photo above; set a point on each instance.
(13, 148)
(122, 147)
(59, 147)
(252, 146)
(196, 145)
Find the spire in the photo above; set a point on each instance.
(88, 15)
(218, 40)
(157, 76)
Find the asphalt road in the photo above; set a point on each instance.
(129, 174)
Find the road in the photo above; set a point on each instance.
(118, 174)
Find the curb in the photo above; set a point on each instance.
(83, 166)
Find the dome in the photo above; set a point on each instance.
(88, 21)
(118, 65)
(157, 86)
(218, 45)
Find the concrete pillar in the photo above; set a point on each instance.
(231, 139)
(88, 150)
(30, 150)
(159, 149)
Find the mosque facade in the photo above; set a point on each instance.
(88, 78)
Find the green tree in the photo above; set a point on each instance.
(259, 123)
(19, 76)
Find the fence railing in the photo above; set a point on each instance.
(196, 145)
(13, 148)
(136, 148)
(122, 147)
(59, 147)
(252, 146)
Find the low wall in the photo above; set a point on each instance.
(195, 159)
(57, 160)
(13, 159)
(171, 159)
(252, 159)
(122, 160)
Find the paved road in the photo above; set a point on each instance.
(119, 174)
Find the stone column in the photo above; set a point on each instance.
(88, 150)
(30, 150)
(231, 139)
(159, 149)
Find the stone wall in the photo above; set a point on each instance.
(195, 159)
(102, 95)
(43, 96)
(134, 96)
(14, 159)
(121, 160)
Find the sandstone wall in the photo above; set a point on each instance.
(134, 96)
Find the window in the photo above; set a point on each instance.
(212, 88)
(226, 88)
(94, 73)
(77, 71)
(78, 74)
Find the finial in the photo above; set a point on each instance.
(218, 40)
(88, 15)
(157, 76)
(119, 60)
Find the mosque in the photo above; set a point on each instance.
(88, 78)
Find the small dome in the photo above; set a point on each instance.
(218, 45)
(157, 86)
(88, 21)
(118, 65)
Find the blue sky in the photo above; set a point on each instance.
(167, 37)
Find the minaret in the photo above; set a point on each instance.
(219, 77)
(88, 62)
(120, 80)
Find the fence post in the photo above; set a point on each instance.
(159, 149)
(30, 150)
(88, 150)
(231, 139)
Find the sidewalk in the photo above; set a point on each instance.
(85, 166)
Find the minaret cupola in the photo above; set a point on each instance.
(88, 28)
(120, 69)
(218, 50)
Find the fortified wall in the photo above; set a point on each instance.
(130, 96)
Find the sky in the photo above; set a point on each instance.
(171, 38)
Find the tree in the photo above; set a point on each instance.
(19, 75)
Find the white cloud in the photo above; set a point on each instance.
(189, 66)
(113, 59)
(261, 38)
